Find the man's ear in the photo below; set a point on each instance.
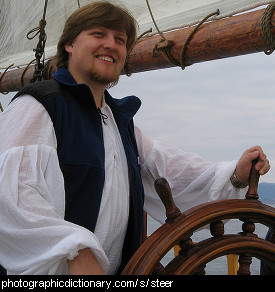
(68, 47)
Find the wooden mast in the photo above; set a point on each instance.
(229, 37)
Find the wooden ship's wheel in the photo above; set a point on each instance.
(193, 257)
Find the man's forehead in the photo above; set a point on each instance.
(119, 31)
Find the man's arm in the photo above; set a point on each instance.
(85, 264)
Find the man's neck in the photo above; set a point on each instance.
(98, 92)
(96, 88)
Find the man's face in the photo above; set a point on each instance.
(97, 54)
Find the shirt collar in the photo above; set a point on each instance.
(104, 104)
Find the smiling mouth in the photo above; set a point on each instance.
(106, 58)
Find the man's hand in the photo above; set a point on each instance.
(244, 165)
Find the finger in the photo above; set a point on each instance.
(253, 155)
(260, 165)
(263, 166)
(254, 148)
(266, 167)
(262, 157)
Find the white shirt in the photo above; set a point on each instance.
(114, 208)
(35, 238)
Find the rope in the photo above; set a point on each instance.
(153, 19)
(267, 26)
(165, 45)
(126, 69)
(191, 36)
(1, 108)
(39, 51)
(143, 34)
(23, 73)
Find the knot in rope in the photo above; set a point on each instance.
(165, 45)
(40, 48)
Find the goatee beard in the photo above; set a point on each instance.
(109, 81)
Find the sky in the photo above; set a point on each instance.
(217, 109)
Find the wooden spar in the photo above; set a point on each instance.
(12, 79)
(229, 37)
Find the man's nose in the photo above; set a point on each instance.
(110, 42)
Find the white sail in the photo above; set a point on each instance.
(18, 17)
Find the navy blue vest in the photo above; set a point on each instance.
(80, 149)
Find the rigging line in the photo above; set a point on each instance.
(217, 12)
(39, 51)
(38, 28)
(25, 70)
(143, 34)
(45, 9)
(152, 16)
(164, 45)
(126, 69)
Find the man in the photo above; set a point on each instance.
(74, 168)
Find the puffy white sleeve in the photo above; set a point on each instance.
(34, 237)
(193, 181)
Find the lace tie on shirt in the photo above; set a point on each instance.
(103, 116)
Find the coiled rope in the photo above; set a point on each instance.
(267, 26)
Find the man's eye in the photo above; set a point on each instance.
(121, 41)
(98, 33)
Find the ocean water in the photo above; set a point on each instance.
(219, 265)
